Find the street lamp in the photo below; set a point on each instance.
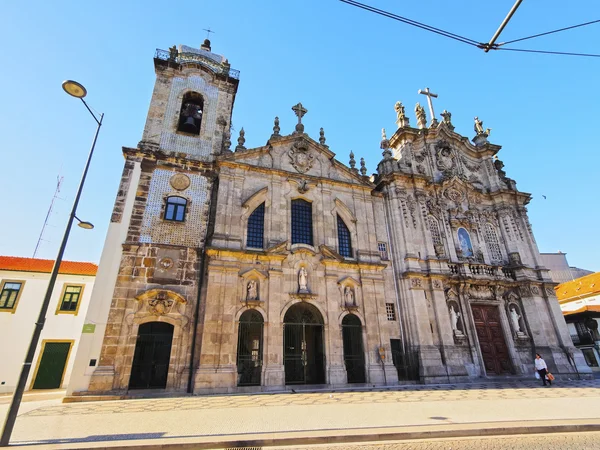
(78, 91)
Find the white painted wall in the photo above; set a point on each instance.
(16, 329)
(91, 343)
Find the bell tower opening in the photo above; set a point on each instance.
(190, 115)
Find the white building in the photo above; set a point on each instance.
(23, 284)
(560, 271)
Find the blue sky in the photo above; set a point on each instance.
(348, 67)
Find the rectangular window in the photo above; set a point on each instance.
(382, 246)
(390, 311)
(70, 299)
(11, 290)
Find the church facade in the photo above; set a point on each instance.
(252, 269)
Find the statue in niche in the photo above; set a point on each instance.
(349, 296)
(303, 280)
(514, 316)
(252, 290)
(454, 316)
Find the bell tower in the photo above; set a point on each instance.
(192, 102)
(150, 274)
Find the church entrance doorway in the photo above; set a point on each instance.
(495, 355)
(250, 348)
(303, 350)
(151, 358)
(354, 355)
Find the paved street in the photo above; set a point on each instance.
(559, 441)
(242, 418)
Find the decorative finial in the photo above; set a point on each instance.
(241, 141)
(447, 119)
(421, 117)
(363, 169)
(321, 137)
(276, 128)
(352, 160)
(401, 119)
(299, 110)
(385, 145)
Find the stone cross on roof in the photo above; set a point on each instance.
(299, 110)
(429, 94)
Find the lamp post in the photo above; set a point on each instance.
(76, 90)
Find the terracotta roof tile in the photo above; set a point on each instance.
(579, 288)
(16, 263)
(587, 308)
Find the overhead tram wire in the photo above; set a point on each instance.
(469, 41)
(414, 23)
(548, 52)
(548, 32)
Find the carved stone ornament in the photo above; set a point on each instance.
(180, 182)
(301, 157)
(165, 263)
(437, 284)
(160, 301)
(444, 157)
(416, 282)
(550, 291)
(535, 290)
(478, 292)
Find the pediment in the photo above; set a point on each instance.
(299, 155)
(253, 273)
(329, 253)
(349, 281)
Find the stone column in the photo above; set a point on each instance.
(274, 374)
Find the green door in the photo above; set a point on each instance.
(52, 365)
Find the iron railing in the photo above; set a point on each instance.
(223, 69)
(481, 270)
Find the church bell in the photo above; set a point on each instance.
(189, 126)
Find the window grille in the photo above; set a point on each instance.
(302, 229)
(9, 295)
(382, 247)
(70, 299)
(344, 240)
(175, 209)
(491, 239)
(256, 227)
(434, 229)
(391, 311)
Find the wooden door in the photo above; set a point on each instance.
(491, 339)
(51, 368)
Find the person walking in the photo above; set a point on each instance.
(542, 368)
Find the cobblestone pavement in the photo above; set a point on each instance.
(566, 441)
(399, 394)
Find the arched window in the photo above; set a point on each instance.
(190, 115)
(434, 229)
(491, 239)
(175, 209)
(256, 226)
(344, 241)
(302, 230)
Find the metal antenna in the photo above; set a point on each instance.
(59, 180)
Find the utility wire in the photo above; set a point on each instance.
(548, 52)
(550, 32)
(469, 41)
(412, 22)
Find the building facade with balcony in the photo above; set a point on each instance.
(23, 283)
(247, 269)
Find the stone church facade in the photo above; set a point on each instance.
(252, 269)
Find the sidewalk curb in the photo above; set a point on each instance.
(337, 436)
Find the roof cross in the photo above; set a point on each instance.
(429, 94)
(208, 31)
(299, 110)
